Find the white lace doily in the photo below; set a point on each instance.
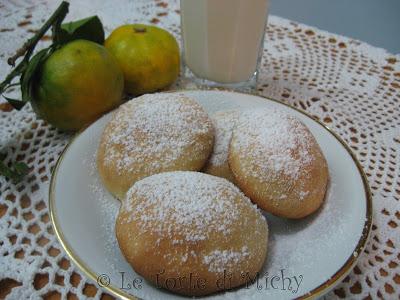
(350, 86)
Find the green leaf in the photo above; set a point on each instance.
(16, 103)
(16, 172)
(87, 29)
(27, 79)
(28, 47)
(21, 168)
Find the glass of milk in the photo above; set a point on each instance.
(223, 41)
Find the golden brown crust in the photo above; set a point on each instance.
(217, 164)
(163, 251)
(285, 194)
(268, 196)
(223, 171)
(151, 134)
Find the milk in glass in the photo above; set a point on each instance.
(223, 39)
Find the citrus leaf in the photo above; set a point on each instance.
(16, 103)
(87, 29)
(29, 75)
(21, 168)
(27, 50)
(16, 172)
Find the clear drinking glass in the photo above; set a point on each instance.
(223, 41)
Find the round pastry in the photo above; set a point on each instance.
(151, 134)
(185, 231)
(217, 164)
(277, 163)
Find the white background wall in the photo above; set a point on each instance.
(376, 22)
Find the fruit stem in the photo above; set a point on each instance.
(27, 48)
(140, 30)
(29, 45)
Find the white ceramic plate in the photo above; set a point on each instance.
(314, 253)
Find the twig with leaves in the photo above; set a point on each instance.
(89, 29)
(18, 170)
(27, 50)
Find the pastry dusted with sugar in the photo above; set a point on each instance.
(277, 163)
(217, 164)
(183, 230)
(151, 134)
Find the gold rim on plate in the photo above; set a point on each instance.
(316, 292)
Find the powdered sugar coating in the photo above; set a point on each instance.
(192, 221)
(223, 122)
(161, 126)
(220, 260)
(189, 203)
(278, 143)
